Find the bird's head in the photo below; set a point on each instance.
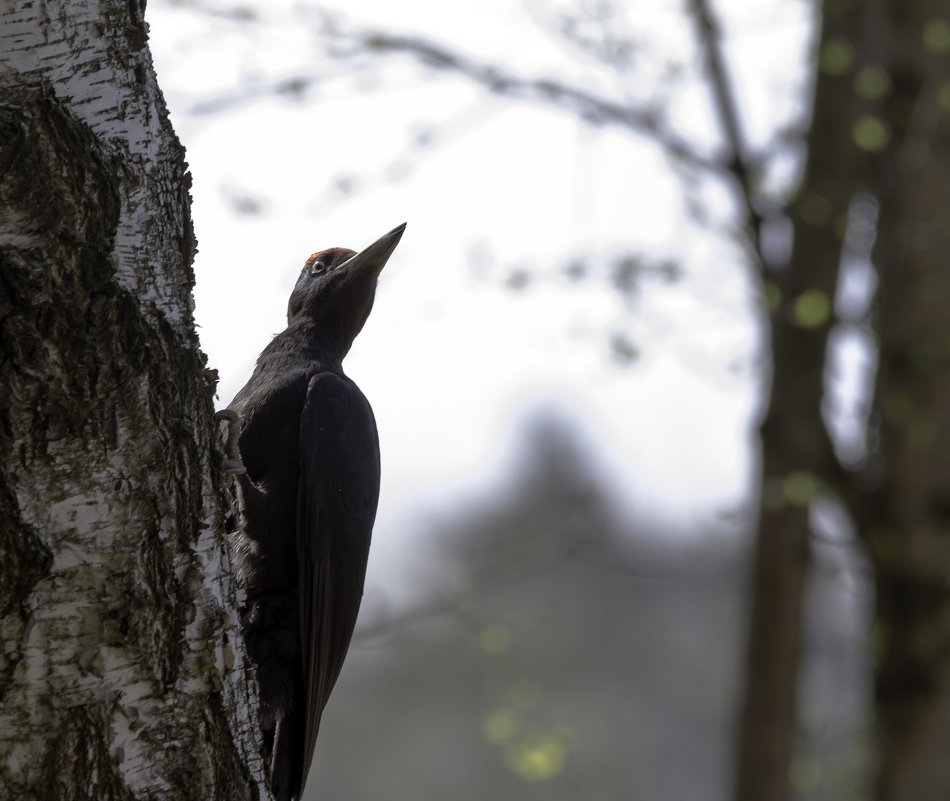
(336, 289)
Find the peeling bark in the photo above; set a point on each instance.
(118, 674)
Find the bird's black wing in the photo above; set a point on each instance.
(336, 507)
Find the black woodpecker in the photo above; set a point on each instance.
(306, 504)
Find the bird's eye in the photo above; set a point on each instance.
(318, 267)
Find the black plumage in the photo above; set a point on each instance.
(307, 503)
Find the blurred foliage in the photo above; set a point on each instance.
(571, 653)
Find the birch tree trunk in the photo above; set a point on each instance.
(121, 670)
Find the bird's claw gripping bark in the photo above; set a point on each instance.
(232, 457)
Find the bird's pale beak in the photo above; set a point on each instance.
(374, 257)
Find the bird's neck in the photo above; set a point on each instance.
(318, 342)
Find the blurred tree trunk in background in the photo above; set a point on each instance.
(798, 459)
(880, 126)
(121, 670)
(877, 155)
(907, 522)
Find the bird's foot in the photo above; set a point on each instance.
(232, 458)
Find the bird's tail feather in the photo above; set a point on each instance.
(285, 768)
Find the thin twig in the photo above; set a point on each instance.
(724, 101)
(591, 108)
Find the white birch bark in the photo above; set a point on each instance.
(121, 671)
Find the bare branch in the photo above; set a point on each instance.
(724, 101)
(593, 109)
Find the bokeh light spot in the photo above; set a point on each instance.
(773, 296)
(943, 96)
(494, 639)
(537, 758)
(804, 773)
(870, 133)
(836, 56)
(500, 725)
(872, 83)
(800, 487)
(812, 309)
(937, 35)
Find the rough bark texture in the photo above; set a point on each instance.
(909, 533)
(120, 674)
(797, 456)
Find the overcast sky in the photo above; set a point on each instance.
(453, 358)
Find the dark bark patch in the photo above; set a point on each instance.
(912, 606)
(156, 606)
(79, 766)
(26, 561)
(232, 778)
(59, 189)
